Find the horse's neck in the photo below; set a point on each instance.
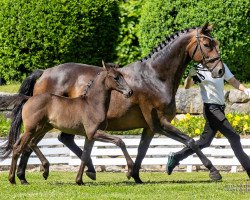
(169, 63)
(98, 95)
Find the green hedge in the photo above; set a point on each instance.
(128, 49)
(43, 33)
(161, 18)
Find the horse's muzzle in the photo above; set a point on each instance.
(128, 93)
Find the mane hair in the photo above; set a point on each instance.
(88, 86)
(166, 42)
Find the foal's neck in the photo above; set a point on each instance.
(99, 95)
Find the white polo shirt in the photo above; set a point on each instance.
(212, 89)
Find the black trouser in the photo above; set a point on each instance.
(216, 121)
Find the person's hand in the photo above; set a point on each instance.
(192, 72)
(247, 91)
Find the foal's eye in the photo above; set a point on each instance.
(116, 78)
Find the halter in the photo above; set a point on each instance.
(205, 60)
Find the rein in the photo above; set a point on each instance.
(204, 59)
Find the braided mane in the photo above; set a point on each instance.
(166, 42)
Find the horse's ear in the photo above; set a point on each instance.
(105, 66)
(206, 28)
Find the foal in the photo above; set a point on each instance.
(85, 115)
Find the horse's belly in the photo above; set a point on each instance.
(70, 129)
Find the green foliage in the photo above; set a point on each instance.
(128, 45)
(43, 33)
(161, 18)
(4, 126)
(193, 125)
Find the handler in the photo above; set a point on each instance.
(212, 92)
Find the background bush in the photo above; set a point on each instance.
(43, 33)
(128, 49)
(161, 18)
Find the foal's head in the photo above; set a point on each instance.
(205, 50)
(115, 80)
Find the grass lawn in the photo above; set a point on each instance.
(179, 186)
(12, 88)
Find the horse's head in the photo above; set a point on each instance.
(115, 80)
(205, 50)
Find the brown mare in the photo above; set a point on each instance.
(85, 115)
(154, 81)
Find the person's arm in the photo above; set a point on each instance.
(236, 84)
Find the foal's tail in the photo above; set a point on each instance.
(17, 100)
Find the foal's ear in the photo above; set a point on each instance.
(206, 28)
(105, 66)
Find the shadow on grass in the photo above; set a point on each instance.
(129, 183)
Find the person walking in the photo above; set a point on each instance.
(212, 92)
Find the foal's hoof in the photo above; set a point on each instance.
(215, 175)
(91, 175)
(12, 181)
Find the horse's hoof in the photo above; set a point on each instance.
(129, 175)
(79, 182)
(91, 175)
(137, 179)
(215, 175)
(12, 181)
(45, 175)
(24, 182)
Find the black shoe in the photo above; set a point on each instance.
(172, 163)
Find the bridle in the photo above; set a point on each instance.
(204, 59)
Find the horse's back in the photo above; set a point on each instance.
(68, 79)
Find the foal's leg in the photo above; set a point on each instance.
(172, 132)
(85, 159)
(68, 141)
(146, 138)
(103, 137)
(18, 147)
(45, 163)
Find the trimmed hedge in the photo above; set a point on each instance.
(231, 19)
(128, 49)
(43, 33)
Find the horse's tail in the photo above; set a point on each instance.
(17, 100)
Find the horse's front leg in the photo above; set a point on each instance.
(85, 160)
(68, 141)
(146, 138)
(103, 137)
(174, 133)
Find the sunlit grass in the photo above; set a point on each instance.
(158, 185)
(12, 88)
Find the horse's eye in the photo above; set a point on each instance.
(116, 78)
(206, 45)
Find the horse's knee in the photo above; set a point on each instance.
(191, 144)
(65, 138)
(120, 143)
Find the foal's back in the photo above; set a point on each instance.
(50, 110)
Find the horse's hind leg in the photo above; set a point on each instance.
(18, 147)
(45, 163)
(103, 137)
(68, 141)
(85, 159)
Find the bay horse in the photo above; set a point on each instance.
(154, 81)
(84, 115)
